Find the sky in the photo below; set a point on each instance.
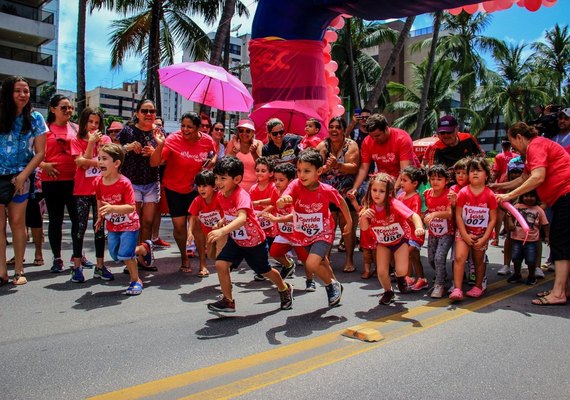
(514, 25)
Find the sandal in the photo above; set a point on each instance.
(19, 279)
(543, 301)
(185, 269)
(341, 248)
(38, 261)
(349, 269)
(367, 274)
(11, 261)
(547, 292)
(204, 274)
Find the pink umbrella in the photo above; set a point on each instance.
(293, 114)
(207, 84)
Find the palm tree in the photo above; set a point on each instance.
(80, 57)
(442, 89)
(358, 70)
(554, 55)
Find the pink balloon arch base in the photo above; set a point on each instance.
(498, 5)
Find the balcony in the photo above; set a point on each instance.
(21, 10)
(25, 25)
(37, 67)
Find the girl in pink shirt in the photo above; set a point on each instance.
(475, 214)
(387, 219)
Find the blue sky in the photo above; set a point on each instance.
(514, 25)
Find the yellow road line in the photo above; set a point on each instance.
(232, 366)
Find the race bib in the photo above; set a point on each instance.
(475, 217)
(209, 219)
(285, 227)
(308, 224)
(238, 234)
(92, 172)
(117, 219)
(390, 234)
(263, 222)
(438, 227)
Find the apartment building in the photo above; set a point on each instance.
(117, 102)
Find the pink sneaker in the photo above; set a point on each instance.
(420, 284)
(475, 292)
(456, 295)
(410, 281)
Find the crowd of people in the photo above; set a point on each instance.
(282, 200)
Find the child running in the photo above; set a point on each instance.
(313, 225)
(116, 204)
(439, 220)
(246, 238)
(410, 179)
(204, 216)
(475, 214)
(84, 149)
(524, 247)
(387, 218)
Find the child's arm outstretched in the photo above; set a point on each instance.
(366, 214)
(418, 224)
(227, 229)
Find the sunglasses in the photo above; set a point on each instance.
(244, 130)
(278, 133)
(219, 129)
(147, 111)
(65, 108)
(365, 117)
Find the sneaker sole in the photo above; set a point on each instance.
(219, 310)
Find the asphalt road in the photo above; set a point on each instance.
(60, 340)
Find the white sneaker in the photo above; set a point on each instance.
(539, 273)
(484, 283)
(505, 270)
(437, 292)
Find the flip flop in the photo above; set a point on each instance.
(38, 262)
(203, 274)
(349, 270)
(185, 269)
(547, 292)
(543, 301)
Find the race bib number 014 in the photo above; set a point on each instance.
(238, 234)
(308, 224)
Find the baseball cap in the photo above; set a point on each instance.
(115, 125)
(565, 111)
(246, 123)
(447, 123)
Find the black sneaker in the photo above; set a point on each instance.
(531, 281)
(223, 305)
(287, 297)
(387, 297)
(310, 286)
(287, 271)
(258, 277)
(514, 278)
(334, 293)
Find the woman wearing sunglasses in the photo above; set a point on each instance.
(281, 147)
(58, 172)
(218, 136)
(248, 149)
(138, 141)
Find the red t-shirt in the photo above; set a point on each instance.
(391, 229)
(84, 178)
(257, 194)
(310, 142)
(284, 229)
(542, 152)
(387, 156)
(208, 214)
(119, 193)
(439, 226)
(250, 234)
(500, 165)
(184, 160)
(58, 151)
(312, 219)
(414, 203)
(534, 217)
(456, 188)
(476, 209)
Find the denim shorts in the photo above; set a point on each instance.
(149, 193)
(415, 244)
(122, 245)
(256, 257)
(528, 252)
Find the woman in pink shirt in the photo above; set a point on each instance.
(247, 149)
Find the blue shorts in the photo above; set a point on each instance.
(528, 252)
(149, 193)
(122, 245)
(415, 244)
(256, 257)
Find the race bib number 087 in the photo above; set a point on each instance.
(308, 224)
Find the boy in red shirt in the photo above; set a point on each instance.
(246, 239)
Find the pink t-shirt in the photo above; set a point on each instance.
(208, 214)
(184, 159)
(257, 194)
(542, 152)
(58, 151)
(534, 217)
(284, 229)
(84, 178)
(414, 203)
(391, 229)
(310, 142)
(387, 156)
(312, 219)
(476, 209)
(250, 234)
(249, 178)
(456, 188)
(119, 193)
(439, 226)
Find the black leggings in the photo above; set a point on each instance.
(58, 195)
(84, 204)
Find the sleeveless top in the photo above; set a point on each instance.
(341, 182)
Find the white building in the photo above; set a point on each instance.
(117, 102)
(28, 41)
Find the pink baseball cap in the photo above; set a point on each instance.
(246, 123)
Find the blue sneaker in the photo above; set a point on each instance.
(103, 273)
(57, 266)
(77, 275)
(310, 286)
(134, 289)
(334, 293)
